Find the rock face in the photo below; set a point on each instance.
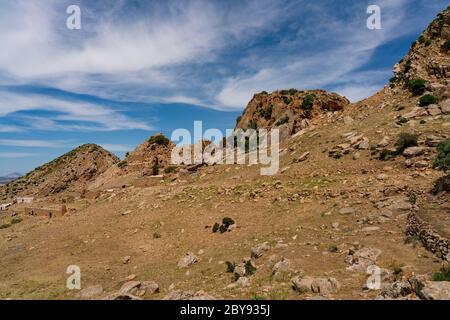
(322, 286)
(70, 173)
(288, 110)
(427, 59)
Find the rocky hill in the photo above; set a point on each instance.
(289, 110)
(69, 173)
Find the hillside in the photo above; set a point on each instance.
(359, 190)
(69, 173)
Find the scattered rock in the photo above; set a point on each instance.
(359, 260)
(346, 211)
(281, 267)
(90, 292)
(188, 295)
(414, 151)
(188, 260)
(126, 259)
(244, 269)
(322, 286)
(258, 250)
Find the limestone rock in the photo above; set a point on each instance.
(258, 250)
(359, 260)
(188, 260)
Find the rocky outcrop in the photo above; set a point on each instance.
(290, 111)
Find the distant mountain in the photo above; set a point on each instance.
(9, 177)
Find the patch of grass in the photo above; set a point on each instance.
(16, 220)
(257, 297)
(404, 141)
(170, 169)
(333, 248)
(5, 226)
(417, 86)
(427, 99)
(442, 275)
(442, 161)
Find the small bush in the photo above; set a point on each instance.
(308, 102)
(386, 155)
(428, 42)
(266, 113)
(286, 100)
(5, 226)
(417, 86)
(122, 164)
(427, 99)
(446, 46)
(442, 161)
(404, 141)
(252, 125)
(442, 275)
(159, 139)
(282, 121)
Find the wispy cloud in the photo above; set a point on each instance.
(32, 143)
(17, 155)
(116, 147)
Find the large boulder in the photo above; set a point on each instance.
(360, 260)
(322, 286)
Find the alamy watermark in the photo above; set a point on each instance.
(374, 20)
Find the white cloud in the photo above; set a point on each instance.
(93, 117)
(31, 143)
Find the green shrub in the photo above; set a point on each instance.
(266, 113)
(264, 93)
(427, 99)
(404, 141)
(428, 42)
(446, 46)
(159, 139)
(282, 121)
(5, 226)
(238, 119)
(442, 275)
(407, 67)
(252, 125)
(417, 86)
(308, 102)
(155, 168)
(122, 164)
(286, 100)
(442, 161)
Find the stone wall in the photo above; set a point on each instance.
(430, 239)
(46, 212)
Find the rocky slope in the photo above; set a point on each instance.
(69, 173)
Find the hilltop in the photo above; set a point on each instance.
(69, 173)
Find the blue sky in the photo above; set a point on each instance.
(140, 67)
